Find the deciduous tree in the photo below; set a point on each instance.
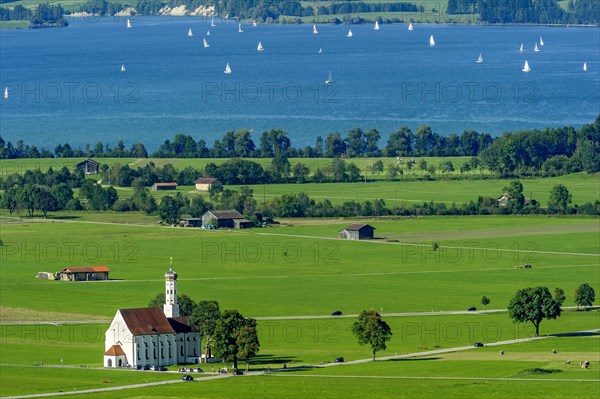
(372, 330)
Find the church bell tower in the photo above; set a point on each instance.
(171, 308)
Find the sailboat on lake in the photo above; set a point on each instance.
(122, 67)
(227, 69)
(212, 22)
(320, 51)
(349, 34)
(207, 33)
(205, 43)
(541, 41)
(254, 24)
(128, 24)
(329, 79)
(260, 47)
(431, 41)
(190, 33)
(480, 59)
(240, 28)
(526, 67)
(521, 50)
(536, 48)
(410, 26)
(6, 93)
(585, 67)
(376, 27)
(315, 31)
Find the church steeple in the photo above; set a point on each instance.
(171, 308)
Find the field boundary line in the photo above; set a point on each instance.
(435, 378)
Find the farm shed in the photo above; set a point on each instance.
(89, 166)
(357, 232)
(206, 183)
(85, 273)
(164, 186)
(224, 218)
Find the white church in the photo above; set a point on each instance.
(151, 336)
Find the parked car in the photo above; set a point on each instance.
(336, 313)
(472, 309)
(139, 367)
(238, 372)
(163, 368)
(187, 378)
(339, 360)
(147, 367)
(478, 345)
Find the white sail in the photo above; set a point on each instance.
(128, 24)
(536, 48)
(240, 28)
(260, 47)
(315, 31)
(320, 51)
(123, 68)
(526, 67)
(254, 24)
(585, 67)
(541, 41)
(480, 59)
(329, 79)
(205, 43)
(410, 26)
(190, 33)
(6, 93)
(376, 27)
(227, 69)
(349, 34)
(207, 33)
(212, 22)
(431, 41)
(521, 50)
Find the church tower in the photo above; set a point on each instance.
(171, 308)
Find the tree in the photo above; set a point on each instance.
(371, 329)
(485, 300)
(534, 305)
(248, 343)
(584, 296)
(46, 201)
(158, 301)
(559, 200)
(230, 343)
(204, 317)
(169, 210)
(186, 305)
(559, 295)
(300, 172)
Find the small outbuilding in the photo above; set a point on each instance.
(223, 218)
(190, 222)
(85, 273)
(504, 199)
(357, 232)
(164, 186)
(207, 183)
(89, 166)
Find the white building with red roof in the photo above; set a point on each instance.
(152, 336)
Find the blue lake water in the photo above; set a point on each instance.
(65, 84)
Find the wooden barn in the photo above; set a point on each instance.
(206, 183)
(225, 219)
(164, 186)
(357, 232)
(84, 273)
(89, 166)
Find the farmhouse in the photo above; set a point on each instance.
(89, 166)
(206, 183)
(152, 336)
(164, 186)
(86, 273)
(357, 232)
(504, 199)
(229, 218)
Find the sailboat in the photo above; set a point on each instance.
(212, 22)
(541, 41)
(349, 34)
(128, 24)
(260, 47)
(329, 79)
(205, 43)
(315, 31)
(207, 33)
(190, 33)
(254, 24)
(536, 48)
(584, 68)
(526, 67)
(521, 50)
(240, 28)
(227, 69)
(320, 50)
(480, 59)
(376, 27)
(122, 67)
(6, 93)
(410, 27)
(431, 41)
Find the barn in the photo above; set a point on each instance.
(164, 186)
(84, 273)
(206, 183)
(224, 218)
(89, 166)
(357, 232)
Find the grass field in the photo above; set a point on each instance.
(14, 24)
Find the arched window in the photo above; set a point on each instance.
(109, 363)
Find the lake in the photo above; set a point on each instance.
(65, 85)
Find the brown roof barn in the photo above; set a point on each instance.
(206, 183)
(357, 232)
(228, 218)
(164, 186)
(84, 273)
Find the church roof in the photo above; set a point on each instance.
(115, 350)
(182, 324)
(146, 321)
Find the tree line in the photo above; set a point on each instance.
(43, 16)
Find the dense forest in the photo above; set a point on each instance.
(44, 16)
